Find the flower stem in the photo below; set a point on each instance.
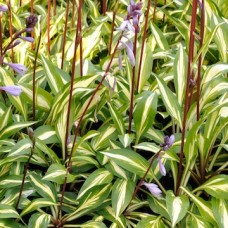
(80, 32)
(132, 84)
(79, 123)
(11, 28)
(186, 104)
(76, 43)
(104, 7)
(1, 34)
(25, 172)
(144, 177)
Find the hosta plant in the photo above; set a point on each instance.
(113, 113)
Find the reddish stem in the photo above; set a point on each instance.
(104, 7)
(76, 42)
(144, 177)
(1, 35)
(11, 27)
(54, 7)
(132, 84)
(189, 74)
(73, 13)
(80, 32)
(79, 123)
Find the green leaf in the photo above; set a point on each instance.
(177, 207)
(147, 59)
(148, 146)
(6, 117)
(7, 79)
(46, 134)
(117, 119)
(36, 204)
(216, 186)
(80, 90)
(22, 147)
(43, 187)
(109, 214)
(203, 206)
(160, 38)
(46, 150)
(126, 139)
(39, 220)
(221, 36)
(220, 211)
(11, 181)
(53, 77)
(180, 73)
(129, 160)
(10, 223)
(93, 224)
(42, 98)
(193, 221)
(170, 101)
(88, 202)
(144, 113)
(151, 221)
(7, 211)
(20, 158)
(121, 195)
(56, 173)
(158, 206)
(190, 151)
(90, 43)
(101, 141)
(14, 128)
(98, 177)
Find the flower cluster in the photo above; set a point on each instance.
(134, 12)
(18, 68)
(168, 142)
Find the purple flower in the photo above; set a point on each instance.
(134, 12)
(161, 167)
(13, 90)
(168, 142)
(27, 38)
(3, 8)
(31, 21)
(19, 68)
(126, 26)
(129, 49)
(153, 188)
